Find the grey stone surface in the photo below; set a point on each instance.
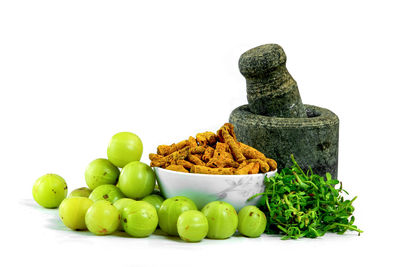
(313, 140)
(271, 90)
(276, 122)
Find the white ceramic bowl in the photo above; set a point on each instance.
(204, 188)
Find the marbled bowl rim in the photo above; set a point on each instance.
(238, 176)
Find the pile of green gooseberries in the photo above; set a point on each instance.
(128, 200)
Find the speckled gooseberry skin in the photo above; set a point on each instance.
(155, 200)
(121, 204)
(139, 219)
(222, 219)
(80, 192)
(72, 212)
(49, 190)
(252, 221)
(137, 180)
(99, 172)
(102, 218)
(107, 192)
(170, 210)
(192, 226)
(124, 147)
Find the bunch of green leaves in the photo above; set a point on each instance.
(299, 204)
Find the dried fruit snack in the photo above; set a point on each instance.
(211, 153)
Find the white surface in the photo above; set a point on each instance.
(73, 73)
(205, 188)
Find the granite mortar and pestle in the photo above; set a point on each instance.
(276, 122)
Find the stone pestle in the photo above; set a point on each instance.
(271, 90)
(276, 122)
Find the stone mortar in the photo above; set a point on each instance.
(312, 137)
(313, 140)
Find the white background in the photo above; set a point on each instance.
(73, 73)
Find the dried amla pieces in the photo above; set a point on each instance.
(208, 170)
(166, 150)
(177, 168)
(252, 153)
(251, 168)
(207, 138)
(208, 154)
(197, 150)
(195, 160)
(211, 153)
(232, 143)
(263, 165)
(185, 164)
(163, 162)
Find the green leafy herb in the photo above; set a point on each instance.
(299, 204)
